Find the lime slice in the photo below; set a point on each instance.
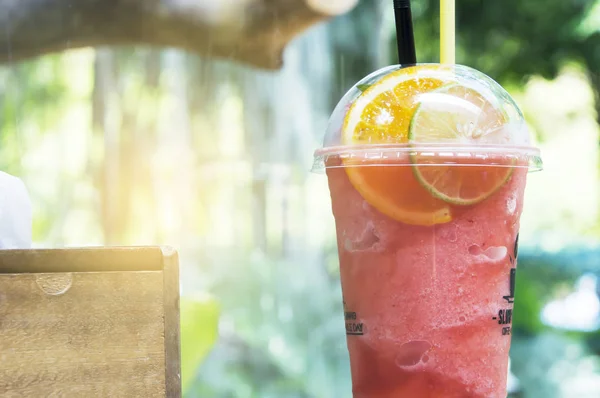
(459, 115)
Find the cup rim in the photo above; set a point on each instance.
(428, 154)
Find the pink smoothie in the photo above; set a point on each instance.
(428, 309)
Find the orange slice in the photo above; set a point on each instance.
(382, 115)
(395, 192)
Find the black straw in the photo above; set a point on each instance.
(407, 54)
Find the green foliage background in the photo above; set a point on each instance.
(146, 146)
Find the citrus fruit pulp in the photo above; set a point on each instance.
(395, 192)
(459, 115)
(382, 114)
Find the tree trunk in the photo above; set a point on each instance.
(106, 124)
(174, 176)
(250, 31)
(595, 83)
(256, 117)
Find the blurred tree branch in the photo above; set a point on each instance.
(250, 31)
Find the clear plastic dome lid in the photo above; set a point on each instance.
(430, 113)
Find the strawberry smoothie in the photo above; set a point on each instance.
(427, 166)
(428, 308)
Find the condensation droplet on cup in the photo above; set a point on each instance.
(449, 233)
(511, 204)
(492, 253)
(412, 353)
(366, 241)
(54, 284)
(475, 250)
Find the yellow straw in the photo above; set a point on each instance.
(447, 32)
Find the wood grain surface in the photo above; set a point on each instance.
(85, 334)
(88, 259)
(172, 322)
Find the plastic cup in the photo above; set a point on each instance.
(427, 168)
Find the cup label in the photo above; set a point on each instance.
(504, 317)
(353, 326)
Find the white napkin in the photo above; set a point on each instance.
(15, 213)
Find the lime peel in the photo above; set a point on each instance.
(468, 118)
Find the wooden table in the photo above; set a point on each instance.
(94, 322)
